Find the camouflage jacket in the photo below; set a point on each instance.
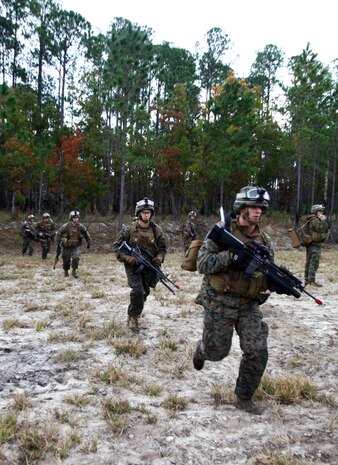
(318, 229)
(222, 277)
(151, 239)
(188, 230)
(71, 235)
(45, 230)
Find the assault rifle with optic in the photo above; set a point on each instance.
(259, 258)
(144, 259)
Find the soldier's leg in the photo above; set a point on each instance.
(25, 244)
(137, 293)
(76, 253)
(31, 245)
(307, 263)
(253, 333)
(314, 262)
(44, 251)
(66, 257)
(216, 341)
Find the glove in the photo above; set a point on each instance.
(157, 261)
(239, 258)
(130, 260)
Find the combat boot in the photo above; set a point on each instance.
(198, 360)
(74, 273)
(133, 323)
(66, 274)
(248, 406)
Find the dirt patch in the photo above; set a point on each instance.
(77, 387)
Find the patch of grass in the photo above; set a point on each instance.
(222, 395)
(21, 402)
(175, 403)
(78, 400)
(152, 390)
(97, 294)
(169, 344)
(116, 413)
(40, 325)
(62, 336)
(279, 459)
(116, 375)
(59, 287)
(133, 347)
(69, 356)
(8, 427)
(14, 323)
(89, 447)
(107, 330)
(287, 390)
(37, 441)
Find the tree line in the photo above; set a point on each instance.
(96, 121)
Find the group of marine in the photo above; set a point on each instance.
(231, 297)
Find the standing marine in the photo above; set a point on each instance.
(232, 302)
(318, 228)
(28, 234)
(71, 235)
(188, 230)
(45, 230)
(142, 233)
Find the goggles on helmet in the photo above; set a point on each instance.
(257, 193)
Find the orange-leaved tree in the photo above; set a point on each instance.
(70, 173)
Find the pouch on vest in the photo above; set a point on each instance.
(190, 260)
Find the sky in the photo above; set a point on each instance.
(250, 25)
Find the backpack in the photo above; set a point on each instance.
(190, 260)
(300, 236)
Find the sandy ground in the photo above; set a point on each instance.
(82, 389)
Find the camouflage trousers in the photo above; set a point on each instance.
(313, 253)
(28, 244)
(221, 318)
(71, 257)
(45, 248)
(140, 284)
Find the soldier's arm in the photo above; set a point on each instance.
(210, 260)
(161, 244)
(123, 235)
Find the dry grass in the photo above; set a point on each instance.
(175, 403)
(116, 412)
(8, 427)
(112, 375)
(287, 390)
(133, 347)
(14, 323)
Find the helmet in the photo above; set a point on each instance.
(30, 217)
(144, 204)
(251, 196)
(316, 208)
(74, 214)
(192, 213)
(46, 215)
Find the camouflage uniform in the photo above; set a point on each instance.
(318, 230)
(29, 237)
(46, 233)
(71, 236)
(188, 233)
(151, 239)
(232, 302)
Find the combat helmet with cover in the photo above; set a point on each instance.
(144, 204)
(317, 208)
(74, 214)
(251, 196)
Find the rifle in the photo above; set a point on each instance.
(144, 259)
(30, 232)
(260, 259)
(58, 253)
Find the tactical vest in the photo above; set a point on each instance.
(144, 237)
(233, 280)
(73, 236)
